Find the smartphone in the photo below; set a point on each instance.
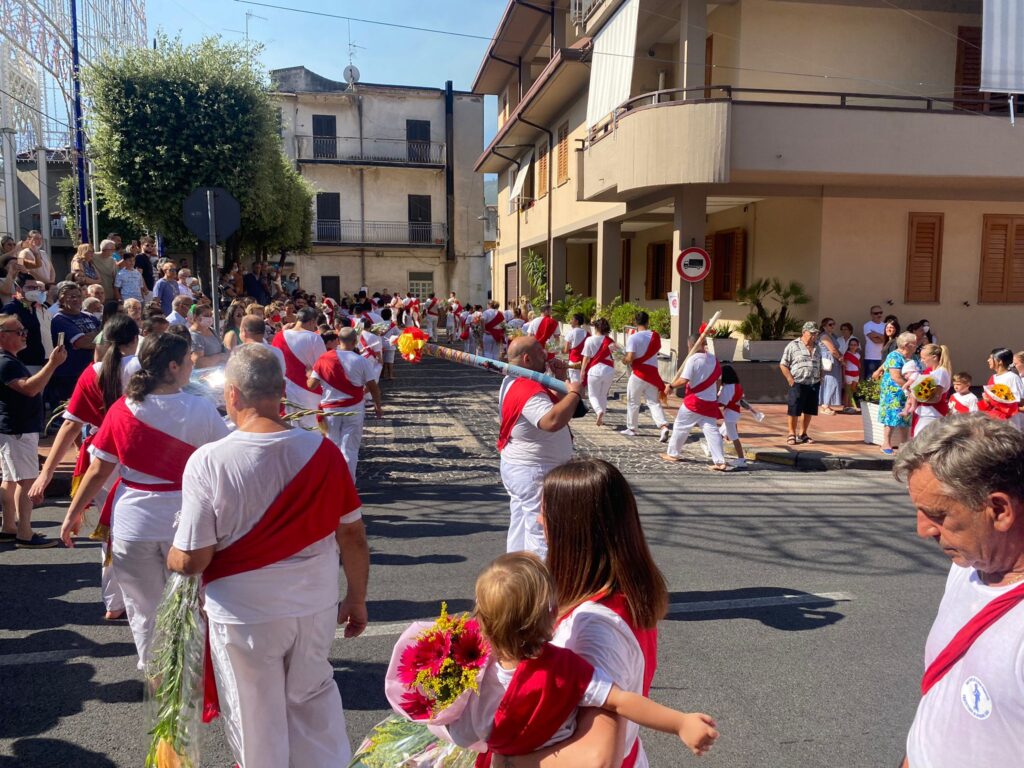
(60, 339)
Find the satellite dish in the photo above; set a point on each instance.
(351, 74)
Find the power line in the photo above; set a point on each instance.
(36, 109)
(925, 21)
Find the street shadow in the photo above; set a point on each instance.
(361, 684)
(53, 753)
(385, 559)
(32, 593)
(381, 611)
(427, 529)
(805, 613)
(64, 640)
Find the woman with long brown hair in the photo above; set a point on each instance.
(611, 596)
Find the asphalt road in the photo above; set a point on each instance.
(801, 601)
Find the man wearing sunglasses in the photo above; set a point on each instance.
(874, 338)
(21, 421)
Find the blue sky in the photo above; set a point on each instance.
(388, 55)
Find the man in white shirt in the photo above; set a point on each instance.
(533, 439)
(271, 594)
(965, 479)
(181, 305)
(185, 283)
(874, 338)
(493, 331)
(645, 384)
(301, 346)
(700, 374)
(252, 330)
(346, 377)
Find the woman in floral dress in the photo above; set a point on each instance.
(892, 398)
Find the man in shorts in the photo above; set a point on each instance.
(801, 365)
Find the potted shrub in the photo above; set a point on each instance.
(767, 329)
(723, 345)
(867, 394)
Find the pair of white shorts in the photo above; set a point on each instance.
(19, 456)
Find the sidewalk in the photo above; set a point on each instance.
(60, 486)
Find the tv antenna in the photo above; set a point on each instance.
(351, 73)
(248, 16)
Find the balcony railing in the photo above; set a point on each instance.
(380, 232)
(580, 10)
(350, 149)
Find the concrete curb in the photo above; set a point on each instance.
(816, 461)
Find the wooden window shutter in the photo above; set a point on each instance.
(924, 258)
(649, 283)
(1002, 260)
(542, 170)
(968, 70)
(667, 265)
(709, 281)
(739, 261)
(1015, 268)
(563, 154)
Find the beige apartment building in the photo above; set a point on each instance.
(841, 143)
(398, 205)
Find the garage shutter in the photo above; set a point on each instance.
(924, 258)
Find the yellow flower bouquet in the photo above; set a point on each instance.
(924, 389)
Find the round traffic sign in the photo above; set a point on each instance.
(693, 264)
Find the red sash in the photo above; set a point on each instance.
(306, 511)
(86, 403)
(330, 369)
(971, 631)
(734, 403)
(294, 369)
(512, 403)
(465, 329)
(576, 353)
(432, 307)
(853, 364)
(542, 695)
(693, 403)
(649, 373)
(956, 405)
(366, 350)
(491, 326)
(545, 329)
(603, 357)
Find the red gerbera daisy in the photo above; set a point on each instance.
(416, 705)
(470, 650)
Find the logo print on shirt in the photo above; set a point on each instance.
(975, 698)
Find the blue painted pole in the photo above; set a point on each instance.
(83, 219)
(497, 366)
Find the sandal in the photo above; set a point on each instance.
(805, 439)
(791, 440)
(671, 459)
(721, 468)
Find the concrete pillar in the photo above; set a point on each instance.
(688, 229)
(693, 22)
(608, 266)
(557, 271)
(44, 197)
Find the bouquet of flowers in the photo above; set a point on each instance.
(924, 389)
(999, 402)
(411, 343)
(512, 332)
(433, 674)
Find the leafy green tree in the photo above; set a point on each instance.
(167, 121)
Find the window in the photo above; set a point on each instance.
(1002, 261)
(325, 132)
(421, 284)
(728, 251)
(330, 285)
(542, 171)
(417, 137)
(420, 227)
(924, 258)
(563, 154)
(328, 217)
(659, 270)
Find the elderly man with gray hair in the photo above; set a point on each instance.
(265, 514)
(965, 475)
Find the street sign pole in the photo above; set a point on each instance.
(214, 283)
(689, 315)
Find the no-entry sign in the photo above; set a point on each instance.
(693, 264)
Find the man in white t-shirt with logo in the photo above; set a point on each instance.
(874, 339)
(965, 475)
(699, 378)
(533, 439)
(346, 377)
(265, 513)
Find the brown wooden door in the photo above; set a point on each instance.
(511, 284)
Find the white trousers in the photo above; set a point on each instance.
(687, 420)
(598, 385)
(638, 391)
(525, 484)
(141, 568)
(346, 432)
(280, 704)
(110, 587)
(469, 345)
(573, 374)
(492, 349)
(432, 327)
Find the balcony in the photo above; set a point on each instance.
(403, 233)
(350, 150)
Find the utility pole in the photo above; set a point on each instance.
(83, 218)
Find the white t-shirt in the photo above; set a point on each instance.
(697, 370)
(973, 715)
(1011, 380)
(489, 314)
(590, 349)
(724, 396)
(307, 346)
(150, 515)
(358, 369)
(968, 400)
(277, 353)
(873, 349)
(944, 381)
(575, 336)
(129, 365)
(529, 444)
(228, 485)
(638, 344)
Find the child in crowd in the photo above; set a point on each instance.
(515, 606)
(1018, 363)
(911, 371)
(962, 400)
(729, 397)
(128, 282)
(330, 340)
(845, 334)
(388, 341)
(851, 370)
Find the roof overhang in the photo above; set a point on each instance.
(565, 76)
(518, 27)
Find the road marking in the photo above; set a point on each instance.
(702, 606)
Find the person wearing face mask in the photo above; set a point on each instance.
(93, 306)
(29, 306)
(207, 348)
(79, 329)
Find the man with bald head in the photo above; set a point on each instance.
(533, 439)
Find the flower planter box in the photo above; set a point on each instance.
(764, 351)
(724, 349)
(872, 426)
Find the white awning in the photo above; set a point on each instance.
(1002, 47)
(524, 170)
(611, 75)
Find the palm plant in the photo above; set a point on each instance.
(765, 323)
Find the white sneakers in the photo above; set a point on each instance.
(665, 434)
(627, 432)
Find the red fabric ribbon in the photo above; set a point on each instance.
(514, 400)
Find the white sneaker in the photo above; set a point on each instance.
(739, 463)
(704, 447)
(666, 433)
(627, 432)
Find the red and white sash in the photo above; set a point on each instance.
(693, 403)
(734, 403)
(330, 370)
(294, 369)
(545, 329)
(86, 403)
(603, 357)
(942, 407)
(432, 307)
(852, 364)
(956, 405)
(306, 511)
(366, 350)
(513, 401)
(465, 328)
(643, 370)
(491, 326)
